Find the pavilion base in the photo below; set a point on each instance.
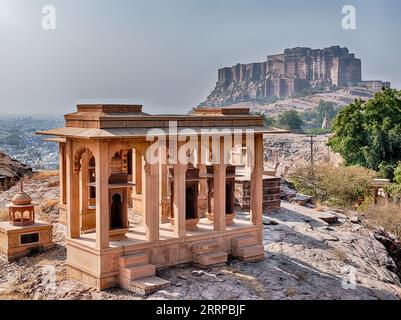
(135, 259)
(16, 242)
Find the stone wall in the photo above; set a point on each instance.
(271, 193)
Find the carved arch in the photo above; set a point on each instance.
(78, 156)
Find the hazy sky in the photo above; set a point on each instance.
(165, 53)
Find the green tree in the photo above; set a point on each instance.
(369, 133)
(397, 174)
(290, 120)
(268, 121)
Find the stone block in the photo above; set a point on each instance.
(211, 259)
(136, 272)
(205, 247)
(133, 259)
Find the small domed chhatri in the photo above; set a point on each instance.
(21, 209)
(21, 198)
(23, 232)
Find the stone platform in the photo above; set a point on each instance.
(17, 241)
(102, 269)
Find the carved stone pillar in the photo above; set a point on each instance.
(84, 180)
(203, 192)
(138, 172)
(137, 196)
(62, 171)
(257, 182)
(102, 195)
(151, 202)
(73, 224)
(219, 197)
(179, 199)
(164, 200)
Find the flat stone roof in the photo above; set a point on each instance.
(83, 133)
(129, 121)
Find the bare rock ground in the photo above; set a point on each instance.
(286, 151)
(340, 97)
(306, 258)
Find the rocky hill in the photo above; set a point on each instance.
(306, 258)
(297, 71)
(11, 171)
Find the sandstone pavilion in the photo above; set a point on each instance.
(186, 210)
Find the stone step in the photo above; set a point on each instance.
(136, 272)
(205, 247)
(250, 253)
(210, 259)
(244, 241)
(133, 259)
(150, 284)
(146, 285)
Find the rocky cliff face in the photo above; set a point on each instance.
(297, 70)
(11, 171)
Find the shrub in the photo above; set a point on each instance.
(290, 120)
(394, 190)
(388, 217)
(397, 174)
(340, 186)
(340, 254)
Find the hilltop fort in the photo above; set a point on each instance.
(296, 71)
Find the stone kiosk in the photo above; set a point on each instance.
(23, 233)
(114, 141)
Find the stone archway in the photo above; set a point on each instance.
(190, 203)
(116, 212)
(229, 199)
(92, 178)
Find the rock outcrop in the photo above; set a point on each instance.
(11, 171)
(296, 71)
(285, 152)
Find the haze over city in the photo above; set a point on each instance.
(165, 54)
